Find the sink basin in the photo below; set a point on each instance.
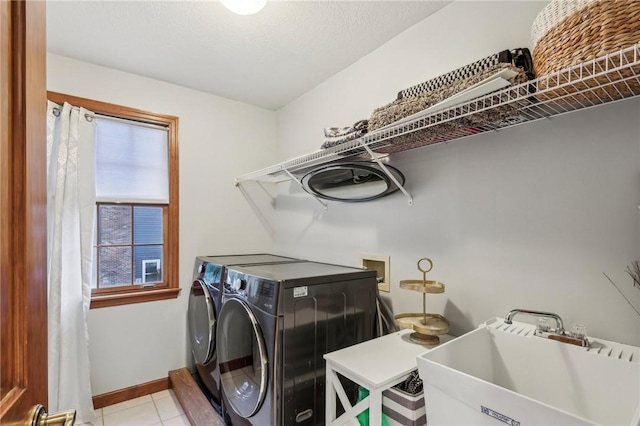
(501, 373)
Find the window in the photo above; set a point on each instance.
(136, 235)
(129, 245)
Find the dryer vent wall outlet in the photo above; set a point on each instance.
(380, 264)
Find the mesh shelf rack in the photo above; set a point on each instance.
(603, 80)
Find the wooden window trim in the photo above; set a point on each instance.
(139, 296)
(172, 288)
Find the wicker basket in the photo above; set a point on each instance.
(570, 32)
(551, 15)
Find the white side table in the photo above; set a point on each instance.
(376, 365)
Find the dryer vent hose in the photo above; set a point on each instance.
(384, 315)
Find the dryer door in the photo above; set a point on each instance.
(242, 357)
(202, 323)
(351, 182)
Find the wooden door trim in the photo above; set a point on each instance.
(6, 235)
(24, 237)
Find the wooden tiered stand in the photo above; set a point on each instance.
(426, 327)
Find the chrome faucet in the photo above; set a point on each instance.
(559, 325)
(574, 337)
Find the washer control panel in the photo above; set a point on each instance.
(257, 291)
(239, 284)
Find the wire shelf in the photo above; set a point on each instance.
(605, 79)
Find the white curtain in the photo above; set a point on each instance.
(70, 220)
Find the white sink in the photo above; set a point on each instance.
(502, 373)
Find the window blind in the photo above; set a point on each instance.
(132, 162)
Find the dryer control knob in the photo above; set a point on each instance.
(239, 284)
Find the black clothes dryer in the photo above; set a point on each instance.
(276, 323)
(205, 302)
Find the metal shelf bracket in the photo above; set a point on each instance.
(324, 205)
(375, 158)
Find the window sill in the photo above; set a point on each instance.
(104, 301)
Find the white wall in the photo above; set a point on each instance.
(528, 217)
(219, 139)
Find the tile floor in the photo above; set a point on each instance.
(161, 408)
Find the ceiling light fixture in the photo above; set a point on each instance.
(244, 7)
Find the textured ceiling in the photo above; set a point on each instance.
(267, 59)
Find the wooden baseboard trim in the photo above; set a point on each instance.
(195, 405)
(121, 395)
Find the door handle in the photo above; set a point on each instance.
(39, 417)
